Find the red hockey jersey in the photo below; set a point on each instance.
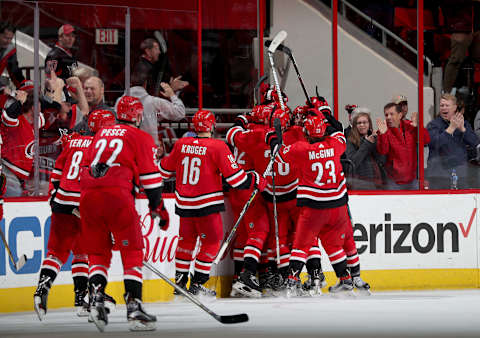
(198, 164)
(18, 144)
(66, 175)
(322, 182)
(129, 154)
(253, 143)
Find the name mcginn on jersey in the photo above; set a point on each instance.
(322, 153)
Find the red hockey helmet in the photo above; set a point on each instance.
(319, 101)
(203, 121)
(261, 113)
(130, 109)
(282, 115)
(100, 118)
(314, 126)
(299, 114)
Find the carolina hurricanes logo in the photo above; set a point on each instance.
(30, 150)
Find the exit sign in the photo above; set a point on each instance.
(106, 36)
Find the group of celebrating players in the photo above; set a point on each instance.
(303, 201)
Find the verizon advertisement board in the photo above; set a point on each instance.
(392, 232)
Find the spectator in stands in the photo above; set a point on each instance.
(156, 109)
(361, 150)
(402, 101)
(58, 112)
(8, 53)
(148, 64)
(18, 140)
(397, 139)
(459, 21)
(349, 108)
(450, 136)
(60, 58)
(83, 73)
(476, 124)
(94, 90)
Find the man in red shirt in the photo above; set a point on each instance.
(199, 164)
(65, 225)
(397, 139)
(122, 158)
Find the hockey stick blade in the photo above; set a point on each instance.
(233, 319)
(277, 40)
(161, 41)
(281, 47)
(21, 262)
(226, 319)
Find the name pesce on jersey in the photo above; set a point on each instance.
(113, 132)
(196, 150)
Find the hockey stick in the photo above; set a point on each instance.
(227, 241)
(278, 131)
(256, 93)
(228, 319)
(21, 261)
(288, 51)
(163, 49)
(277, 40)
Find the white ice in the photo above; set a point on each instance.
(384, 314)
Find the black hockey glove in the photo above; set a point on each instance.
(241, 121)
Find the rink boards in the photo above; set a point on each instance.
(404, 241)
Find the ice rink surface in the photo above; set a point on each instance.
(384, 314)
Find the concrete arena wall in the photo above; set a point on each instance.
(404, 242)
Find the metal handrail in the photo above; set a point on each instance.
(385, 32)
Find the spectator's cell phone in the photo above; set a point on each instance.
(369, 132)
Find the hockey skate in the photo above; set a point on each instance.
(98, 312)
(40, 297)
(234, 293)
(81, 303)
(361, 286)
(138, 318)
(293, 287)
(181, 280)
(248, 285)
(314, 284)
(343, 286)
(273, 284)
(197, 289)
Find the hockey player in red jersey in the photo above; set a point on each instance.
(198, 163)
(350, 248)
(65, 225)
(322, 197)
(253, 231)
(121, 158)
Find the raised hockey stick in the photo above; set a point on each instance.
(278, 131)
(288, 51)
(256, 92)
(163, 49)
(277, 40)
(254, 193)
(228, 319)
(21, 261)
